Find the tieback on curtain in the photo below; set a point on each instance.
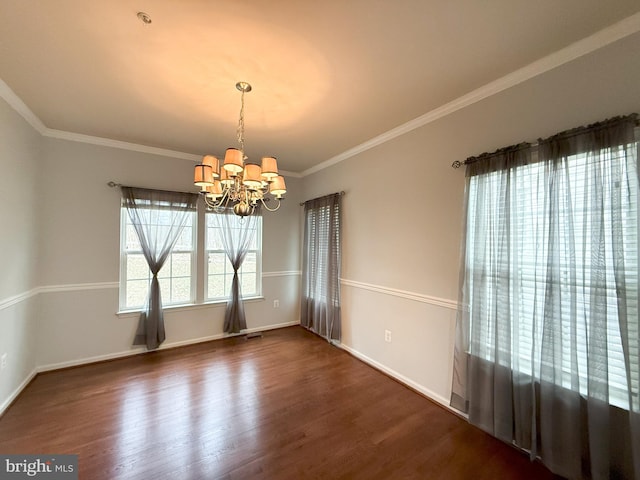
(632, 118)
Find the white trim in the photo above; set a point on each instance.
(288, 273)
(418, 297)
(17, 391)
(15, 299)
(287, 173)
(108, 142)
(19, 106)
(617, 31)
(164, 346)
(600, 39)
(128, 353)
(189, 306)
(402, 379)
(75, 287)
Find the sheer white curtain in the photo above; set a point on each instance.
(547, 347)
(158, 217)
(321, 262)
(237, 235)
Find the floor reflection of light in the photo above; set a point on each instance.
(133, 419)
(228, 414)
(201, 422)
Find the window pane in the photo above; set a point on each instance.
(181, 264)
(137, 292)
(137, 268)
(250, 263)
(131, 237)
(578, 216)
(175, 275)
(181, 290)
(217, 263)
(216, 286)
(248, 284)
(228, 279)
(165, 271)
(165, 289)
(185, 240)
(219, 269)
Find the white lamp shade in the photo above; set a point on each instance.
(233, 162)
(278, 187)
(214, 191)
(203, 175)
(214, 163)
(252, 177)
(225, 177)
(269, 168)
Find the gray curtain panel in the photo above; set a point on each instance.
(321, 262)
(237, 235)
(547, 344)
(158, 218)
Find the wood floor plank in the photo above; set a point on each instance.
(284, 406)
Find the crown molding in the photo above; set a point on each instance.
(19, 106)
(600, 39)
(596, 41)
(108, 142)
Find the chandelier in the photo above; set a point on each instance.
(235, 182)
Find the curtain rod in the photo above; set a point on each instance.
(633, 117)
(113, 184)
(337, 193)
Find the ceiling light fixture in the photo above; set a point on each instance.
(242, 185)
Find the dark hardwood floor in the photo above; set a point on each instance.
(285, 406)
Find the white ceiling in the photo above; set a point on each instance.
(326, 75)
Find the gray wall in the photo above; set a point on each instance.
(59, 249)
(80, 258)
(401, 252)
(60, 254)
(19, 182)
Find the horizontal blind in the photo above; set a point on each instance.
(516, 254)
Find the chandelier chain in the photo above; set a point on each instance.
(240, 130)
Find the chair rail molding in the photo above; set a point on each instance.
(418, 297)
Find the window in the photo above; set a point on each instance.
(321, 258)
(179, 279)
(175, 277)
(219, 272)
(511, 245)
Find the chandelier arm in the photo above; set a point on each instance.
(218, 205)
(270, 209)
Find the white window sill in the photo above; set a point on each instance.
(189, 306)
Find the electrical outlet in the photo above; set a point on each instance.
(3, 361)
(387, 336)
(276, 304)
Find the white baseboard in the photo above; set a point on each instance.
(128, 353)
(402, 379)
(164, 346)
(17, 391)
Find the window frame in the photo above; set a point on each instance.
(199, 266)
(205, 263)
(527, 271)
(125, 221)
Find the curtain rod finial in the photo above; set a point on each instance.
(456, 164)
